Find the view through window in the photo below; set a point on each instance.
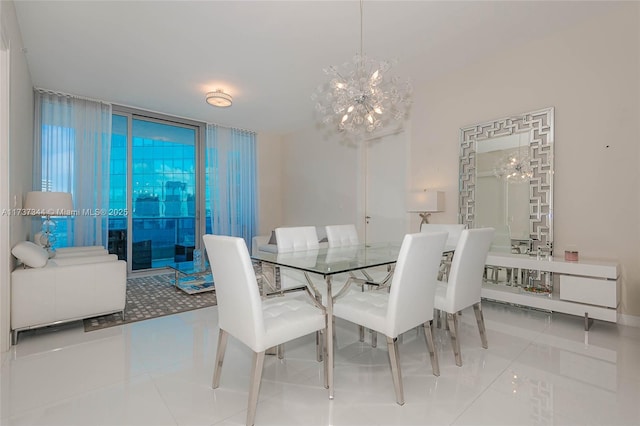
(163, 195)
(165, 187)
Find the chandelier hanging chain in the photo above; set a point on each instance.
(361, 26)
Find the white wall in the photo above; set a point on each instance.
(20, 152)
(320, 180)
(269, 165)
(590, 74)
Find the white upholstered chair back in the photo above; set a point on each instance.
(408, 304)
(293, 239)
(342, 235)
(256, 323)
(465, 278)
(239, 304)
(296, 238)
(454, 230)
(412, 291)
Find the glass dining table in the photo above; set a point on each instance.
(328, 262)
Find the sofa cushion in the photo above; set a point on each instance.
(30, 254)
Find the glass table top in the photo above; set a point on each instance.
(335, 260)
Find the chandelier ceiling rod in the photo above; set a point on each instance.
(361, 25)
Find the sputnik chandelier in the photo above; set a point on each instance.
(360, 97)
(514, 167)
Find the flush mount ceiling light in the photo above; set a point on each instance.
(219, 98)
(361, 97)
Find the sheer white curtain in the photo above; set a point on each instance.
(231, 181)
(71, 154)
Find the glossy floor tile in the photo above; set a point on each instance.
(539, 369)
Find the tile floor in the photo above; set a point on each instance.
(539, 369)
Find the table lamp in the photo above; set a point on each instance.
(47, 204)
(425, 202)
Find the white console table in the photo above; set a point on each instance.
(587, 288)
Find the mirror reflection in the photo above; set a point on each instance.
(503, 171)
(506, 181)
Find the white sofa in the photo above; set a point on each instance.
(65, 289)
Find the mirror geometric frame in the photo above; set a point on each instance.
(539, 125)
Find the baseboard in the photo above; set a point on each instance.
(630, 320)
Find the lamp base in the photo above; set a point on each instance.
(425, 217)
(46, 236)
(43, 240)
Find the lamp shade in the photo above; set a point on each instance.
(38, 203)
(425, 201)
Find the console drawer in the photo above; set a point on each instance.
(593, 291)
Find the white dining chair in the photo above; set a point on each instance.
(292, 239)
(454, 230)
(300, 239)
(407, 304)
(259, 324)
(296, 238)
(342, 235)
(345, 236)
(464, 285)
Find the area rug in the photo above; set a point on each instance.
(151, 297)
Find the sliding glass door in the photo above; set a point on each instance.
(118, 198)
(158, 188)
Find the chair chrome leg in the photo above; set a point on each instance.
(438, 317)
(361, 328)
(435, 366)
(280, 351)
(374, 339)
(254, 387)
(396, 373)
(319, 346)
(14, 337)
(477, 309)
(217, 369)
(123, 317)
(452, 321)
(319, 340)
(326, 360)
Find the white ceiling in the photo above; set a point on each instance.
(165, 55)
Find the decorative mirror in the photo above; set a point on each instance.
(506, 181)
